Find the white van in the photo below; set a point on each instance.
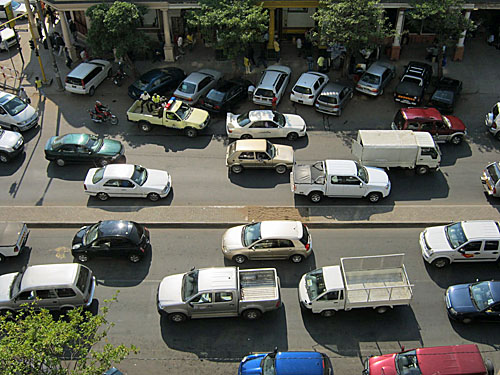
(15, 114)
(8, 39)
(85, 78)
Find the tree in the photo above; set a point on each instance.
(230, 25)
(355, 24)
(115, 27)
(443, 17)
(37, 343)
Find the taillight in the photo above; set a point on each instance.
(335, 106)
(229, 130)
(217, 107)
(311, 96)
(278, 303)
(494, 125)
(494, 190)
(84, 187)
(374, 90)
(202, 101)
(189, 99)
(83, 84)
(142, 249)
(308, 246)
(16, 249)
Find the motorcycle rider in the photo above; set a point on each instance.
(101, 110)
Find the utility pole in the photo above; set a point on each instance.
(34, 34)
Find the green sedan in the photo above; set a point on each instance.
(82, 148)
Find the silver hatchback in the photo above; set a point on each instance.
(333, 99)
(376, 78)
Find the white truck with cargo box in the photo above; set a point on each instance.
(397, 149)
(379, 282)
(339, 179)
(219, 292)
(13, 237)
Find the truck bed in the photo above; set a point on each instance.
(258, 285)
(134, 113)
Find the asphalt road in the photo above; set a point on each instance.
(215, 346)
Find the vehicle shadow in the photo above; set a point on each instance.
(70, 172)
(16, 264)
(169, 139)
(13, 165)
(478, 332)
(128, 204)
(450, 153)
(408, 186)
(227, 339)
(343, 209)
(258, 178)
(457, 273)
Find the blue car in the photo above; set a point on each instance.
(156, 81)
(475, 301)
(286, 363)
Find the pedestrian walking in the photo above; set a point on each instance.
(23, 96)
(72, 29)
(262, 57)
(277, 49)
(180, 42)
(69, 60)
(246, 62)
(39, 28)
(38, 85)
(274, 103)
(84, 55)
(298, 42)
(145, 98)
(250, 54)
(59, 43)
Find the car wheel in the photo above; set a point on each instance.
(92, 91)
(421, 169)
(246, 136)
(440, 262)
(60, 162)
(236, 168)
(381, 92)
(145, 126)
(15, 129)
(2, 258)
(292, 136)
(315, 196)
(110, 73)
(104, 162)
(339, 112)
(251, 314)
(134, 258)
(103, 196)
(190, 132)
(153, 197)
(66, 309)
(381, 309)
(466, 320)
(456, 140)
(296, 258)
(3, 157)
(240, 259)
(177, 317)
(82, 258)
(327, 313)
(281, 169)
(374, 197)
(490, 369)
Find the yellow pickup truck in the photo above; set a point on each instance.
(174, 114)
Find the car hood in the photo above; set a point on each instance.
(231, 240)
(156, 179)
(383, 365)
(78, 238)
(28, 113)
(197, 116)
(169, 291)
(110, 147)
(436, 238)
(456, 123)
(460, 299)
(250, 365)
(284, 154)
(231, 120)
(9, 139)
(5, 283)
(377, 176)
(294, 121)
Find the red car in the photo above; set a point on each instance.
(442, 128)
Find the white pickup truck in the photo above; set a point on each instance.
(339, 179)
(13, 237)
(397, 148)
(219, 292)
(379, 282)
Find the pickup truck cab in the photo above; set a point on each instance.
(219, 292)
(13, 237)
(339, 179)
(174, 114)
(411, 88)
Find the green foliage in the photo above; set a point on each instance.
(230, 24)
(115, 27)
(35, 343)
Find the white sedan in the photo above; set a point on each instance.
(127, 180)
(265, 124)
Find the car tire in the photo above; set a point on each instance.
(251, 314)
(134, 258)
(60, 162)
(236, 168)
(281, 169)
(490, 369)
(456, 140)
(327, 313)
(315, 196)
(66, 309)
(466, 320)
(441, 262)
(240, 259)
(296, 258)
(246, 136)
(339, 113)
(110, 73)
(177, 317)
(381, 92)
(92, 91)
(4, 158)
(153, 197)
(2, 258)
(421, 169)
(145, 126)
(381, 309)
(83, 258)
(15, 129)
(103, 162)
(190, 132)
(292, 136)
(102, 196)
(374, 197)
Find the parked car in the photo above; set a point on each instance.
(492, 120)
(82, 148)
(265, 240)
(197, 84)
(286, 363)
(111, 238)
(463, 241)
(11, 145)
(333, 99)
(411, 88)
(491, 179)
(15, 114)
(156, 81)
(13, 237)
(442, 128)
(272, 84)
(376, 78)
(446, 94)
(474, 301)
(308, 87)
(225, 95)
(49, 286)
(265, 124)
(127, 180)
(7, 38)
(18, 8)
(85, 78)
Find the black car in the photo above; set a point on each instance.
(157, 81)
(111, 238)
(225, 95)
(82, 148)
(475, 301)
(446, 94)
(411, 88)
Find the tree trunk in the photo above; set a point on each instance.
(132, 66)
(345, 66)
(440, 62)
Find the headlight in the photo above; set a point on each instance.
(452, 311)
(77, 246)
(430, 251)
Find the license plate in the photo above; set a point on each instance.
(301, 101)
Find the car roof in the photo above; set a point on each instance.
(308, 79)
(122, 228)
(217, 278)
(288, 229)
(279, 68)
(258, 145)
(290, 363)
(74, 139)
(332, 89)
(49, 275)
(86, 67)
(421, 112)
(451, 360)
(225, 86)
(479, 229)
(118, 170)
(378, 68)
(342, 167)
(152, 74)
(260, 114)
(418, 64)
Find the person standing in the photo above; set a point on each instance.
(274, 103)
(72, 29)
(299, 47)
(250, 53)
(156, 100)
(59, 43)
(145, 98)
(39, 86)
(69, 60)
(180, 42)
(23, 96)
(84, 55)
(277, 49)
(246, 62)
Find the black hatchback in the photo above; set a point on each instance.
(111, 238)
(225, 95)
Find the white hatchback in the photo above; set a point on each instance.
(265, 124)
(85, 78)
(308, 87)
(127, 180)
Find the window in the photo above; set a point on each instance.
(342, 95)
(126, 184)
(113, 183)
(428, 127)
(223, 297)
(65, 292)
(281, 80)
(204, 83)
(472, 246)
(336, 180)
(246, 156)
(330, 296)
(92, 74)
(427, 151)
(258, 124)
(26, 296)
(285, 243)
(413, 126)
(68, 149)
(351, 180)
(491, 245)
(266, 244)
(263, 156)
(46, 294)
(203, 298)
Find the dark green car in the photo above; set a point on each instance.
(82, 148)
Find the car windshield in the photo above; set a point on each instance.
(455, 235)
(327, 99)
(268, 365)
(480, 295)
(264, 92)
(98, 175)
(407, 363)
(94, 143)
(496, 110)
(279, 119)
(16, 284)
(15, 4)
(91, 234)
(184, 111)
(141, 84)
(444, 96)
(370, 78)
(251, 233)
(189, 285)
(315, 283)
(216, 96)
(271, 150)
(243, 120)
(494, 172)
(447, 121)
(362, 173)
(140, 175)
(302, 90)
(187, 88)
(410, 79)
(15, 106)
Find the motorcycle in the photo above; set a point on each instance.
(106, 115)
(120, 75)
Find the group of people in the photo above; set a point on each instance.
(153, 103)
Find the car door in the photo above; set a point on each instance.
(332, 300)
(84, 154)
(225, 303)
(131, 189)
(386, 77)
(247, 159)
(67, 153)
(492, 312)
(284, 249)
(469, 252)
(156, 86)
(263, 160)
(113, 188)
(442, 131)
(47, 299)
(260, 129)
(264, 249)
(429, 127)
(120, 247)
(201, 305)
(25, 297)
(101, 247)
(203, 87)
